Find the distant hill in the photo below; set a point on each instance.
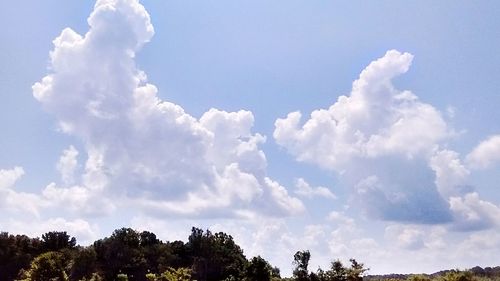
(477, 271)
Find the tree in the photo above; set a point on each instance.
(337, 272)
(355, 273)
(49, 266)
(121, 277)
(457, 275)
(301, 262)
(16, 253)
(275, 273)
(179, 274)
(151, 248)
(84, 264)
(258, 269)
(121, 253)
(57, 240)
(215, 256)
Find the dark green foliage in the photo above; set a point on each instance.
(47, 267)
(356, 271)
(337, 272)
(84, 263)
(121, 277)
(215, 256)
(258, 269)
(174, 254)
(121, 253)
(16, 253)
(301, 262)
(57, 240)
(141, 256)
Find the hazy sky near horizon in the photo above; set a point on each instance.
(349, 128)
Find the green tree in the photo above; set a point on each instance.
(418, 277)
(179, 274)
(215, 256)
(84, 263)
(258, 269)
(301, 262)
(121, 277)
(337, 272)
(457, 275)
(16, 253)
(121, 253)
(49, 266)
(57, 240)
(356, 271)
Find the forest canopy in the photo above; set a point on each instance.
(141, 256)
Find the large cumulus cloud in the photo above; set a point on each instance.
(143, 150)
(390, 147)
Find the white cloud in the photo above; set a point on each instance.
(472, 213)
(406, 237)
(485, 154)
(374, 120)
(303, 188)
(142, 150)
(341, 219)
(481, 246)
(82, 230)
(451, 174)
(9, 177)
(15, 201)
(379, 140)
(77, 199)
(67, 164)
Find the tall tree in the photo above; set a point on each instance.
(215, 256)
(16, 253)
(258, 269)
(84, 263)
(337, 272)
(46, 267)
(121, 253)
(301, 262)
(57, 240)
(355, 273)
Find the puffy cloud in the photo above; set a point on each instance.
(67, 164)
(481, 246)
(82, 230)
(79, 200)
(379, 140)
(472, 213)
(9, 177)
(374, 120)
(409, 237)
(402, 200)
(341, 219)
(451, 174)
(303, 188)
(142, 150)
(485, 154)
(12, 200)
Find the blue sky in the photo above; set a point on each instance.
(161, 115)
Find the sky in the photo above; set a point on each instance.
(349, 128)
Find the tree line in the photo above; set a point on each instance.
(140, 256)
(129, 255)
